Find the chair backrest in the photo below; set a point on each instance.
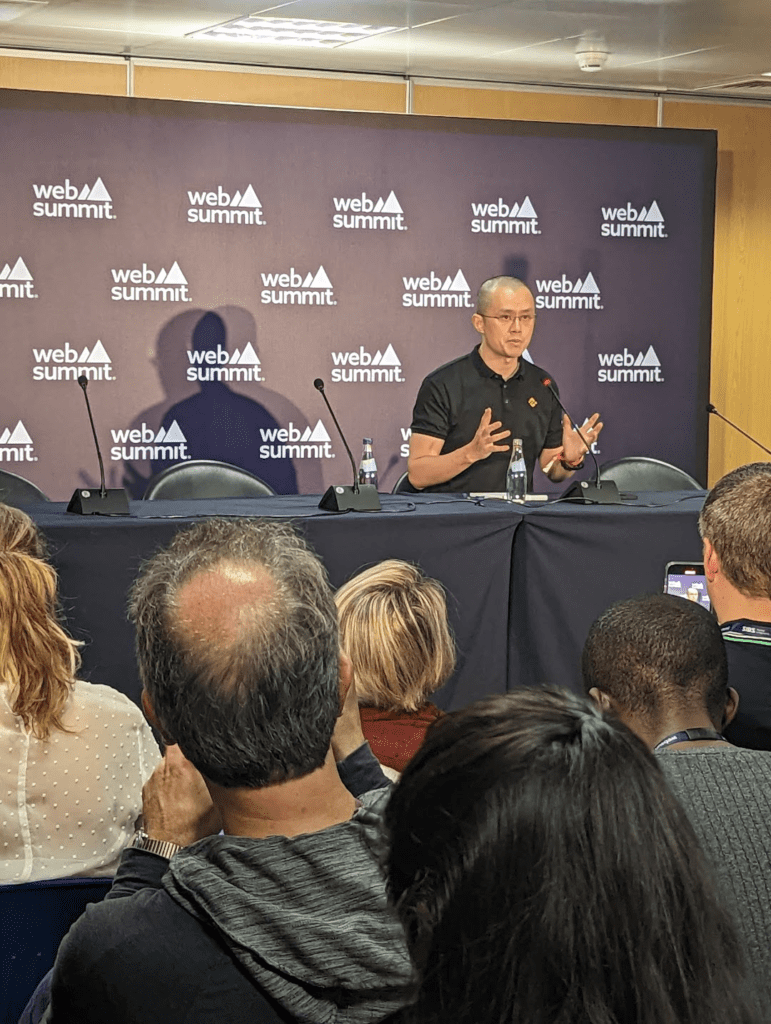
(403, 486)
(16, 491)
(206, 478)
(35, 918)
(640, 473)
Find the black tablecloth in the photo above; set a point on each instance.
(523, 584)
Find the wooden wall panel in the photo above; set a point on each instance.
(78, 76)
(741, 325)
(269, 90)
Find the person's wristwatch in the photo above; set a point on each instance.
(572, 468)
(160, 847)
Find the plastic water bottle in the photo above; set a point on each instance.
(368, 466)
(516, 477)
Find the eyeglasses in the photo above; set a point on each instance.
(508, 318)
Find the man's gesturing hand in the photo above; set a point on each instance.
(484, 441)
(176, 805)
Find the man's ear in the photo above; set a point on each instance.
(478, 322)
(711, 561)
(601, 699)
(731, 706)
(152, 718)
(346, 677)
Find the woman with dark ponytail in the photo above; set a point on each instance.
(545, 874)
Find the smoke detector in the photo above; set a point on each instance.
(591, 53)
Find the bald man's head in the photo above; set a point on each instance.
(238, 650)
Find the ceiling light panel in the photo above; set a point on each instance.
(292, 32)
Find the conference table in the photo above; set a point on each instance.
(523, 582)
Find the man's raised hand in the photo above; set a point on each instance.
(487, 438)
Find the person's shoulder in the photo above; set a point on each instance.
(448, 371)
(751, 631)
(98, 697)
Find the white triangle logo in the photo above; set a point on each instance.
(161, 276)
(20, 271)
(235, 358)
(249, 198)
(639, 359)
(319, 433)
(390, 357)
(459, 283)
(249, 356)
(514, 210)
(99, 193)
(526, 355)
(654, 213)
(321, 281)
(99, 354)
(527, 209)
(378, 205)
(650, 358)
(392, 204)
(175, 275)
(589, 286)
(84, 192)
(174, 434)
(5, 272)
(376, 359)
(306, 435)
(84, 355)
(236, 198)
(160, 435)
(447, 284)
(19, 435)
(5, 435)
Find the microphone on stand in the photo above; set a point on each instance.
(601, 492)
(104, 502)
(340, 497)
(711, 409)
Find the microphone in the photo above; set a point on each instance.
(339, 497)
(711, 409)
(84, 502)
(601, 491)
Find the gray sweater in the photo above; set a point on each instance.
(726, 793)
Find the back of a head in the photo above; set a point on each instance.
(736, 519)
(238, 650)
(657, 653)
(37, 658)
(393, 625)
(544, 873)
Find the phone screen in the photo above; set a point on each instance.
(687, 579)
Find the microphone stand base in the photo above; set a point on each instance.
(339, 498)
(588, 492)
(91, 502)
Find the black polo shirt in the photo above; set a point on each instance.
(450, 404)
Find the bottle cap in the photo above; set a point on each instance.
(367, 440)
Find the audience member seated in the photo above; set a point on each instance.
(735, 524)
(73, 755)
(393, 626)
(544, 873)
(283, 916)
(659, 663)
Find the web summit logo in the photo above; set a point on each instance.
(147, 286)
(224, 366)
(294, 443)
(562, 293)
(16, 445)
(368, 214)
(69, 364)
(360, 367)
(436, 292)
(145, 443)
(626, 368)
(295, 289)
(220, 207)
(629, 222)
(499, 218)
(91, 202)
(16, 281)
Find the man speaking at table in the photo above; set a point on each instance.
(468, 409)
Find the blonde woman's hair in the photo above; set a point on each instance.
(37, 658)
(393, 626)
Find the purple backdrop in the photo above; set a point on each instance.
(347, 247)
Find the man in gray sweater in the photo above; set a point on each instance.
(659, 663)
(283, 916)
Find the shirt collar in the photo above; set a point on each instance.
(485, 371)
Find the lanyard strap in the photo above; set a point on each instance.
(688, 735)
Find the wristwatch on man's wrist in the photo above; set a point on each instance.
(570, 466)
(160, 847)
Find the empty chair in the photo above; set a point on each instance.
(206, 478)
(16, 491)
(36, 916)
(639, 473)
